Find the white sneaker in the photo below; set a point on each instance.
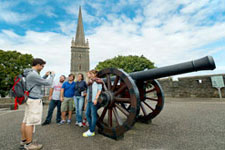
(33, 146)
(88, 133)
(80, 124)
(22, 144)
(76, 123)
(62, 122)
(68, 121)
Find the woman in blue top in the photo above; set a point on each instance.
(80, 89)
(93, 92)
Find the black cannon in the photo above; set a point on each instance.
(138, 96)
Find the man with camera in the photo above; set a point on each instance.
(33, 106)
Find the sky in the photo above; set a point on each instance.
(166, 32)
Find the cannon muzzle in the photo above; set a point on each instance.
(205, 63)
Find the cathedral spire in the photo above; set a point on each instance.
(80, 61)
(80, 38)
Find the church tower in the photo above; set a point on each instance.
(79, 50)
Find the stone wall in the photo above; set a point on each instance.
(11, 100)
(6, 100)
(197, 86)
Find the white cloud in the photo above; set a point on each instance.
(48, 10)
(52, 47)
(68, 27)
(10, 16)
(13, 17)
(10, 34)
(175, 40)
(195, 5)
(156, 44)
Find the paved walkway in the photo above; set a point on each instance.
(192, 124)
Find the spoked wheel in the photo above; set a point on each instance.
(152, 101)
(119, 91)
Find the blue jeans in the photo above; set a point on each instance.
(79, 102)
(52, 105)
(91, 114)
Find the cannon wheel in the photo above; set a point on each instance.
(113, 119)
(152, 101)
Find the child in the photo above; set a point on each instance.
(93, 92)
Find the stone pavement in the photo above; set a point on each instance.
(192, 124)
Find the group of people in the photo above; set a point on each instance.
(61, 95)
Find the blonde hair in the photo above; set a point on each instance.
(95, 72)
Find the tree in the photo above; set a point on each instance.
(127, 63)
(12, 63)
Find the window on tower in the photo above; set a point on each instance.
(80, 56)
(80, 67)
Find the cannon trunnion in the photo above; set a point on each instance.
(127, 98)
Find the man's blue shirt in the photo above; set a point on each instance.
(69, 89)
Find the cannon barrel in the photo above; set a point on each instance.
(205, 63)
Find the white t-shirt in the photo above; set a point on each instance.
(56, 90)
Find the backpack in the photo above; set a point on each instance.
(19, 90)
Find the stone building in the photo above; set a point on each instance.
(80, 61)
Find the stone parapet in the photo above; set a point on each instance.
(196, 86)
